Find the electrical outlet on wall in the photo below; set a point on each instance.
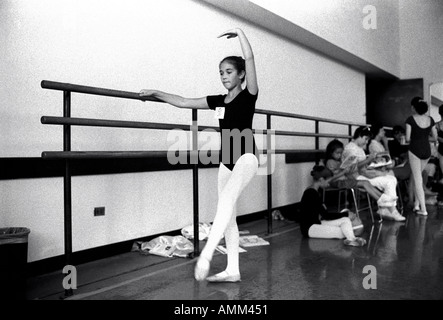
(99, 211)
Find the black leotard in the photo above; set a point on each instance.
(238, 114)
(419, 141)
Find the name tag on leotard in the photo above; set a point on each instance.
(219, 113)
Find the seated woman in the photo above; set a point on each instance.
(379, 143)
(334, 151)
(387, 183)
(331, 225)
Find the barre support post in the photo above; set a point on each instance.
(317, 140)
(350, 131)
(269, 167)
(67, 185)
(194, 154)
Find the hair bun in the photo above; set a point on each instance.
(320, 172)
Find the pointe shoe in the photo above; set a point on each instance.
(224, 277)
(201, 268)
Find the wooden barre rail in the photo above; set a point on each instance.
(150, 154)
(167, 126)
(304, 117)
(117, 123)
(46, 84)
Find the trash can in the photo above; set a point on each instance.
(13, 262)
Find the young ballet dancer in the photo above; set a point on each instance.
(316, 221)
(420, 131)
(239, 154)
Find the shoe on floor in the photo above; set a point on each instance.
(224, 277)
(201, 269)
(357, 242)
(385, 213)
(397, 216)
(422, 213)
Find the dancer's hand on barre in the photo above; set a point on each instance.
(175, 100)
(147, 93)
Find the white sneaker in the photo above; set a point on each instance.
(397, 216)
(385, 213)
(423, 213)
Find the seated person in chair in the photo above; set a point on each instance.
(355, 150)
(334, 151)
(400, 167)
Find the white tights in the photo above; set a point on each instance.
(333, 229)
(230, 186)
(386, 183)
(417, 167)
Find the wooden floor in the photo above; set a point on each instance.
(402, 260)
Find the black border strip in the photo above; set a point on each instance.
(301, 157)
(34, 168)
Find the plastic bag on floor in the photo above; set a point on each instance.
(203, 231)
(165, 246)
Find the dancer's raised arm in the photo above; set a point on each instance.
(251, 75)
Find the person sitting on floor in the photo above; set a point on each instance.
(316, 221)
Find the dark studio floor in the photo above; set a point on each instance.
(407, 260)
